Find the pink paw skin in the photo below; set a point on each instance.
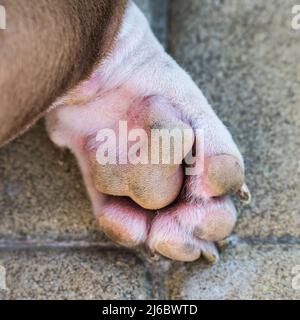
(176, 215)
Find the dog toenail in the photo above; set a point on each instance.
(223, 244)
(245, 194)
(210, 257)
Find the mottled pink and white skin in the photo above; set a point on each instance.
(135, 79)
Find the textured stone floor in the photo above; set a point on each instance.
(245, 57)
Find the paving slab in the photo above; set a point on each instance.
(244, 272)
(245, 56)
(42, 193)
(74, 274)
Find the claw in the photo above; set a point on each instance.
(210, 252)
(244, 194)
(223, 244)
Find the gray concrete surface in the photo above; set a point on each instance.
(74, 274)
(244, 272)
(245, 57)
(42, 194)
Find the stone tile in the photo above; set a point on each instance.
(41, 192)
(244, 272)
(245, 57)
(74, 274)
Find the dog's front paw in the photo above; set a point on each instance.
(176, 202)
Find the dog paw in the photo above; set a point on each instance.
(178, 205)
